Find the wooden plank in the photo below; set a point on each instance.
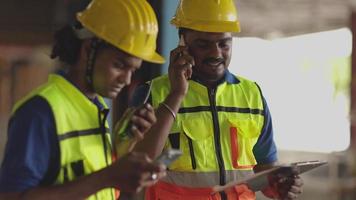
(5, 101)
(353, 81)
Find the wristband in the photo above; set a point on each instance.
(169, 109)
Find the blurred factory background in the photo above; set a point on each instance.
(299, 51)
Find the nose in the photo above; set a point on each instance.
(215, 51)
(126, 77)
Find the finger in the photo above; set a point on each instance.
(291, 195)
(137, 133)
(161, 174)
(151, 178)
(147, 114)
(141, 123)
(132, 144)
(147, 160)
(151, 117)
(146, 176)
(128, 112)
(192, 61)
(182, 60)
(177, 52)
(149, 107)
(295, 190)
(189, 73)
(149, 182)
(138, 189)
(141, 111)
(298, 181)
(188, 57)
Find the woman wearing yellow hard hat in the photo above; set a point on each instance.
(59, 144)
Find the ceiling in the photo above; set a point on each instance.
(281, 18)
(23, 21)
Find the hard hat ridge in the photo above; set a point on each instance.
(207, 16)
(129, 25)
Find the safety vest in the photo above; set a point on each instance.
(82, 130)
(216, 129)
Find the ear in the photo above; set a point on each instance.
(85, 49)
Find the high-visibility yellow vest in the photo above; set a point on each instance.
(215, 129)
(82, 131)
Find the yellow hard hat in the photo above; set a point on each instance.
(207, 16)
(130, 25)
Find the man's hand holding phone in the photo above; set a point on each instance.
(180, 68)
(141, 121)
(135, 122)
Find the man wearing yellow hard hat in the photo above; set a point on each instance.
(219, 121)
(59, 145)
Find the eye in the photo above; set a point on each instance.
(202, 45)
(225, 44)
(118, 65)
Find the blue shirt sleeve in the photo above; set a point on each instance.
(265, 149)
(139, 95)
(32, 151)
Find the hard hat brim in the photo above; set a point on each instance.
(217, 27)
(155, 58)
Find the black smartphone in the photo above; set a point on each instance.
(123, 128)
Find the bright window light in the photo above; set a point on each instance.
(305, 80)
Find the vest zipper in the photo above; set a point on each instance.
(105, 112)
(214, 112)
(65, 175)
(191, 151)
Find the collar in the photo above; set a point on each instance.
(230, 78)
(95, 100)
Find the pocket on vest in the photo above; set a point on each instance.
(197, 144)
(243, 136)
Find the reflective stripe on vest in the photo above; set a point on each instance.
(203, 179)
(82, 131)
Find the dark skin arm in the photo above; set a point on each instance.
(129, 174)
(284, 188)
(179, 72)
(155, 138)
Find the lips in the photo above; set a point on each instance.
(117, 88)
(214, 64)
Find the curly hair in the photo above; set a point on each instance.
(67, 45)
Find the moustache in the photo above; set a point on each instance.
(211, 59)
